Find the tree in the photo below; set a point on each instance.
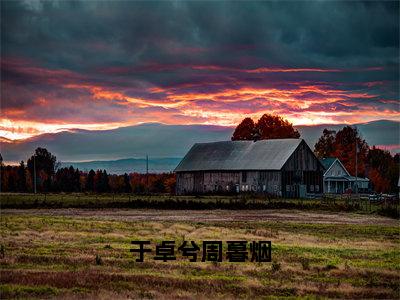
(90, 181)
(21, 178)
(244, 131)
(325, 145)
(45, 164)
(383, 171)
(127, 184)
(347, 140)
(275, 127)
(267, 127)
(101, 182)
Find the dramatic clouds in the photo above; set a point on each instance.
(96, 65)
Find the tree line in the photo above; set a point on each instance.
(51, 178)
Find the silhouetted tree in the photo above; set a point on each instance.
(90, 187)
(45, 167)
(325, 145)
(101, 181)
(127, 184)
(21, 179)
(267, 127)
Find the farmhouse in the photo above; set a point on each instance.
(280, 167)
(337, 180)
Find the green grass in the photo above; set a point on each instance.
(80, 200)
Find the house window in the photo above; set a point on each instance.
(227, 187)
(244, 176)
(316, 188)
(311, 188)
(264, 188)
(287, 188)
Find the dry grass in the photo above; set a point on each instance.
(55, 256)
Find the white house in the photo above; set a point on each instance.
(337, 180)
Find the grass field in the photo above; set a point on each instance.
(79, 253)
(243, 201)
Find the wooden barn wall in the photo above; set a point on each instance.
(231, 182)
(302, 170)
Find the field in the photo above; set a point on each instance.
(76, 252)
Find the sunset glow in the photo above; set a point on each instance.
(122, 75)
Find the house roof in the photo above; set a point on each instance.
(239, 155)
(328, 162)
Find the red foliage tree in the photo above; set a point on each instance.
(244, 131)
(267, 127)
(275, 127)
(345, 149)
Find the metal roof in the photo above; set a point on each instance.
(327, 162)
(239, 155)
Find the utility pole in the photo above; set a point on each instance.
(147, 172)
(34, 173)
(356, 187)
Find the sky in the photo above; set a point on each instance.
(101, 65)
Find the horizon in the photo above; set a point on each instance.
(97, 69)
(161, 141)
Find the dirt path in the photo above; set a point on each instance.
(295, 216)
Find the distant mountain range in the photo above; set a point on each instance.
(164, 144)
(127, 165)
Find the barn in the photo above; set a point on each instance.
(279, 167)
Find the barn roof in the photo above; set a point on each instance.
(239, 155)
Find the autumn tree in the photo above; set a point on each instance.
(325, 145)
(267, 127)
(383, 171)
(275, 127)
(347, 140)
(244, 131)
